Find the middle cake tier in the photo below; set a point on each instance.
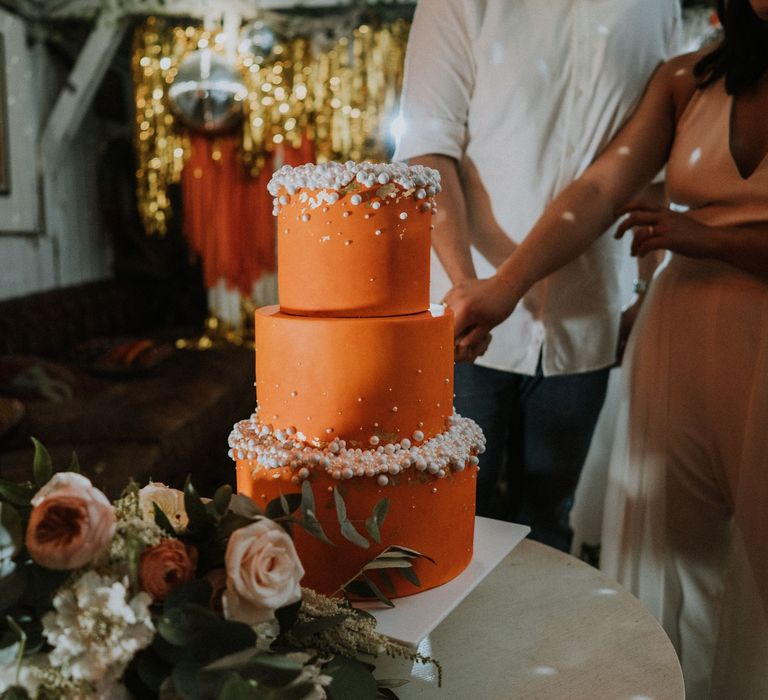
(367, 381)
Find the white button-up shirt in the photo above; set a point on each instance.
(524, 94)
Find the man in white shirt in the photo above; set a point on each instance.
(511, 100)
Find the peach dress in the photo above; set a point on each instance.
(686, 525)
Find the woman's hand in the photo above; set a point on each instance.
(478, 306)
(657, 228)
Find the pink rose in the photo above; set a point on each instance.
(71, 523)
(166, 566)
(263, 572)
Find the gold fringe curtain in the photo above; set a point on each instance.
(341, 96)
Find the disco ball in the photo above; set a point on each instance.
(207, 92)
(258, 38)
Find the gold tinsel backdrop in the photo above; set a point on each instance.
(334, 82)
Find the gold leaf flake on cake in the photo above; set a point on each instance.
(388, 190)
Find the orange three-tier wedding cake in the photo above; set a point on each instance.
(354, 375)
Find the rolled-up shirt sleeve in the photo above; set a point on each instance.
(439, 77)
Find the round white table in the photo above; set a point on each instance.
(544, 625)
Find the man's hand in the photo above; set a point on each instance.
(479, 306)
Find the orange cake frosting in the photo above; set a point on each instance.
(353, 240)
(354, 377)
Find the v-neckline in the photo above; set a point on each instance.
(731, 108)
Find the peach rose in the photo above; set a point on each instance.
(71, 524)
(263, 572)
(166, 566)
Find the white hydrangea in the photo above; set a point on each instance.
(94, 630)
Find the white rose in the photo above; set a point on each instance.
(170, 501)
(263, 572)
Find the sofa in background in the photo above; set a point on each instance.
(163, 420)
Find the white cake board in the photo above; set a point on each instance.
(415, 616)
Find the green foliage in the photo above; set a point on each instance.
(41, 464)
(376, 520)
(203, 655)
(352, 680)
(348, 530)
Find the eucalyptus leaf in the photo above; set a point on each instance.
(222, 498)
(199, 517)
(272, 670)
(388, 563)
(307, 498)
(285, 504)
(387, 694)
(386, 579)
(233, 521)
(378, 592)
(244, 506)
(287, 616)
(235, 661)
(313, 527)
(410, 575)
(161, 520)
(351, 680)
(410, 552)
(74, 463)
(236, 688)
(341, 507)
(191, 682)
(17, 494)
(203, 634)
(152, 669)
(366, 588)
(42, 468)
(349, 532)
(380, 511)
(197, 591)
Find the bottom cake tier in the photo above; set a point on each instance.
(432, 515)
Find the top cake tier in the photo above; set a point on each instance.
(354, 238)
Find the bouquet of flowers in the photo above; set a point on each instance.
(165, 594)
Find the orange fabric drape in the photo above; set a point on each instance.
(228, 214)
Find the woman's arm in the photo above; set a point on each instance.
(744, 247)
(584, 209)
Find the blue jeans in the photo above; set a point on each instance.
(537, 432)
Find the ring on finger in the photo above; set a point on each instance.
(651, 230)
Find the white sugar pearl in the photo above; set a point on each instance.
(383, 178)
(355, 199)
(374, 440)
(305, 217)
(382, 480)
(418, 436)
(403, 215)
(376, 205)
